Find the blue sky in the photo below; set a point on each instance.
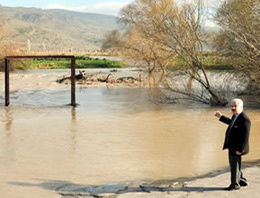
(95, 6)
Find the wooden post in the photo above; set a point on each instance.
(73, 82)
(7, 99)
(73, 75)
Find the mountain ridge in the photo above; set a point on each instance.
(56, 30)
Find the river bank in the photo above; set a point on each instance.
(208, 186)
(205, 186)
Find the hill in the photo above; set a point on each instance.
(55, 30)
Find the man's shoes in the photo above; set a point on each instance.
(232, 187)
(243, 183)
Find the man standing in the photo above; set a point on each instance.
(236, 141)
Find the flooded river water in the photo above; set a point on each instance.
(116, 134)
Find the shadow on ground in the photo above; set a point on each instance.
(69, 189)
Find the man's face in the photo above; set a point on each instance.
(236, 108)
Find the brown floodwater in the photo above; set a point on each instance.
(116, 134)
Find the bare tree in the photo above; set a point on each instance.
(135, 45)
(174, 29)
(112, 40)
(7, 48)
(3, 33)
(240, 35)
(146, 50)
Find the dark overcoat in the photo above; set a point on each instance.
(237, 135)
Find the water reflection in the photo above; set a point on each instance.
(8, 145)
(9, 120)
(73, 114)
(73, 130)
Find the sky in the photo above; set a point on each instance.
(110, 7)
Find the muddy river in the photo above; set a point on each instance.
(116, 134)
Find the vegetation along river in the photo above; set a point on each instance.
(116, 134)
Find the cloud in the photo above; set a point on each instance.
(213, 3)
(110, 8)
(58, 6)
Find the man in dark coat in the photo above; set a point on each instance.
(236, 141)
